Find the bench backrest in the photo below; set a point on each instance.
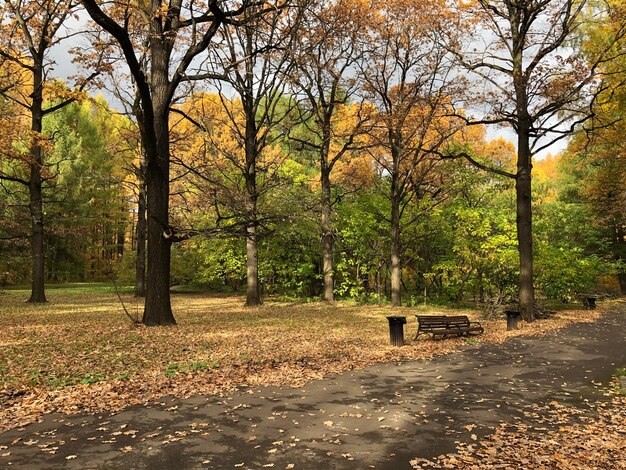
(442, 321)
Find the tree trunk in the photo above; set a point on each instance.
(523, 188)
(327, 235)
(622, 282)
(158, 309)
(38, 294)
(140, 262)
(378, 286)
(619, 250)
(253, 294)
(120, 242)
(524, 222)
(396, 272)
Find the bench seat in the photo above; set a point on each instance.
(443, 326)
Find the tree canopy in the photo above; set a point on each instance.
(341, 149)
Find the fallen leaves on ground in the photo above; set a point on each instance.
(564, 437)
(80, 354)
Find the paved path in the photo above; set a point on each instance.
(380, 417)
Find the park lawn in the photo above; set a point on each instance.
(81, 353)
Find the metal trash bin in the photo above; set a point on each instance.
(512, 317)
(396, 330)
(589, 302)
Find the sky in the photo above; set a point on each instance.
(494, 132)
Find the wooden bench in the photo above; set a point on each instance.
(443, 325)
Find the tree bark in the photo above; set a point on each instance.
(481, 287)
(523, 186)
(619, 250)
(253, 294)
(327, 235)
(120, 242)
(524, 222)
(140, 262)
(396, 271)
(622, 282)
(38, 294)
(158, 309)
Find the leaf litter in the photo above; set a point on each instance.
(79, 354)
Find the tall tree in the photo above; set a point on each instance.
(530, 77)
(141, 228)
(325, 57)
(175, 35)
(256, 68)
(407, 75)
(29, 31)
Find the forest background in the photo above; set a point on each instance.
(314, 150)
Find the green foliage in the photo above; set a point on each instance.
(87, 212)
(477, 246)
(457, 245)
(362, 244)
(223, 262)
(570, 250)
(290, 261)
(91, 379)
(483, 260)
(186, 267)
(562, 272)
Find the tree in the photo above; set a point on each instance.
(256, 67)
(530, 77)
(593, 173)
(603, 152)
(478, 226)
(14, 220)
(175, 36)
(141, 228)
(87, 224)
(407, 75)
(29, 30)
(363, 244)
(325, 57)
(225, 190)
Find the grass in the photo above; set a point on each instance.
(80, 352)
(75, 287)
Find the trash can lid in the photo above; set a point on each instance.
(512, 313)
